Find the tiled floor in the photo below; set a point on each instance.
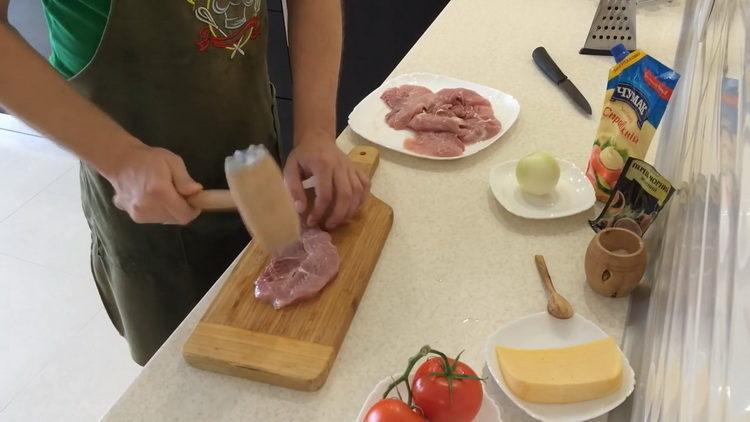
(61, 358)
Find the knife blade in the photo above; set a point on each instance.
(575, 95)
(553, 72)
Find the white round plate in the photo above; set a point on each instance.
(572, 195)
(489, 411)
(543, 331)
(368, 117)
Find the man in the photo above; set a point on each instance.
(157, 94)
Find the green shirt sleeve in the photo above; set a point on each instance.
(75, 29)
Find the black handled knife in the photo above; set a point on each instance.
(548, 66)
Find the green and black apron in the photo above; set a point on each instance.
(189, 76)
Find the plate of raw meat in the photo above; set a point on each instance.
(434, 116)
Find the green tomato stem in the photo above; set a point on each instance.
(448, 373)
(424, 351)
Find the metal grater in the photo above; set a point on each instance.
(614, 23)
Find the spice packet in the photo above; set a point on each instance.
(640, 193)
(637, 94)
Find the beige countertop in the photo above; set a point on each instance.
(456, 265)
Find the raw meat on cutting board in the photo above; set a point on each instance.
(299, 273)
(444, 121)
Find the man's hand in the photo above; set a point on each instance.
(340, 187)
(151, 185)
(315, 55)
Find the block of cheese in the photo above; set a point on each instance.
(566, 375)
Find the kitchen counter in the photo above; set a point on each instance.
(456, 265)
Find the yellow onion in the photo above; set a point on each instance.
(538, 173)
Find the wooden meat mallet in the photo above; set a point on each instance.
(257, 191)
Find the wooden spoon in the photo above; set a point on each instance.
(557, 306)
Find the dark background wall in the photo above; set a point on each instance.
(377, 35)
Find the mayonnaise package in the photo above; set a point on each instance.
(638, 91)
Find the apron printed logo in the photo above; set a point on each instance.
(230, 24)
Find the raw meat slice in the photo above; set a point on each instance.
(476, 129)
(493, 127)
(416, 102)
(458, 110)
(300, 272)
(405, 101)
(472, 131)
(436, 144)
(447, 118)
(425, 122)
(462, 96)
(395, 97)
(484, 112)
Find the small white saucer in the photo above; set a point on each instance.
(542, 331)
(572, 195)
(489, 411)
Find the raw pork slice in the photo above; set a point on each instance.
(426, 122)
(407, 101)
(395, 97)
(444, 121)
(437, 144)
(299, 273)
(462, 96)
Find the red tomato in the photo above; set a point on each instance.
(392, 410)
(431, 392)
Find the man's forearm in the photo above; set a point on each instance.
(315, 37)
(33, 91)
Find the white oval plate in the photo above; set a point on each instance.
(489, 411)
(368, 117)
(572, 195)
(542, 331)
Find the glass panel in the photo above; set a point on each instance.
(688, 334)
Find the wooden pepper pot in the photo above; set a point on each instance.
(615, 262)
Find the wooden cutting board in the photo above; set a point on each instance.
(294, 346)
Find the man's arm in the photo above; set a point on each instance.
(146, 179)
(315, 38)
